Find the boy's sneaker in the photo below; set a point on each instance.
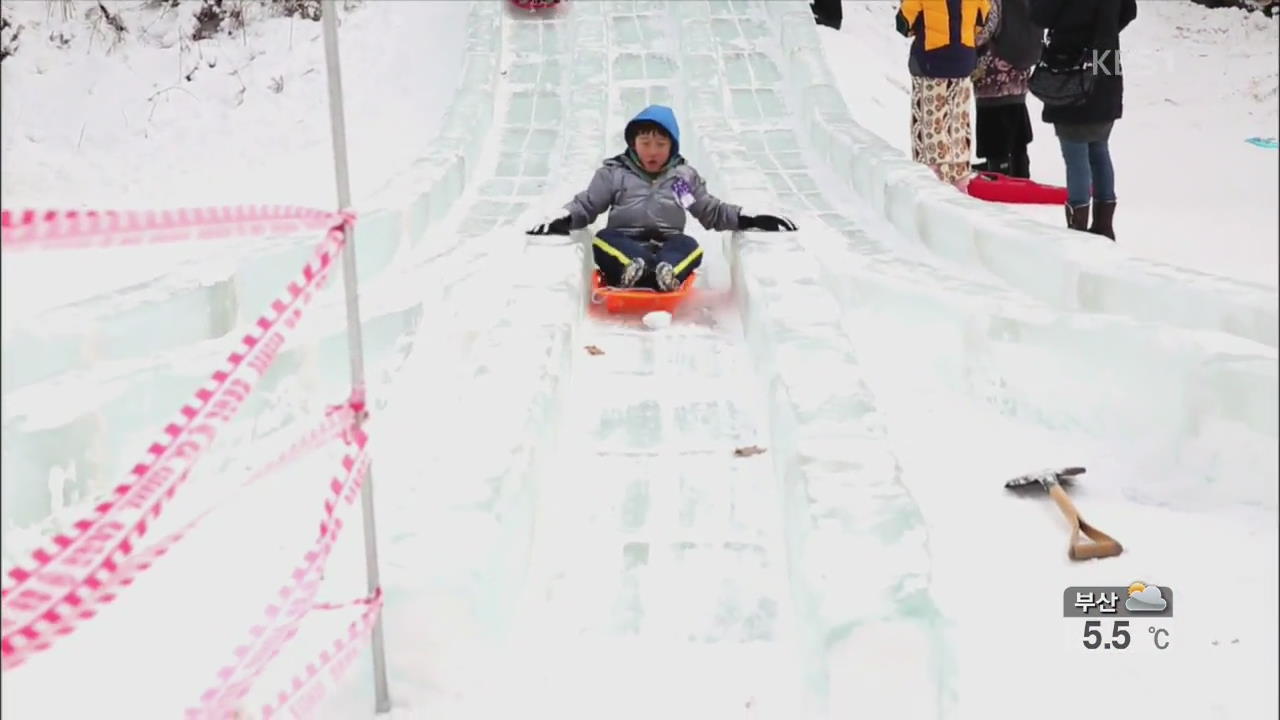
(666, 277)
(631, 273)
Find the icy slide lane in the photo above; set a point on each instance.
(654, 550)
(878, 375)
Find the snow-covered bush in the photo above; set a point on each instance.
(8, 36)
(1269, 7)
(216, 16)
(161, 23)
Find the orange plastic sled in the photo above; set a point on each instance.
(638, 300)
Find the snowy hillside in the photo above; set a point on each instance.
(786, 504)
(150, 117)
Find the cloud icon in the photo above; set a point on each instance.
(1147, 599)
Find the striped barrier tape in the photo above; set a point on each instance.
(317, 680)
(65, 583)
(75, 229)
(338, 423)
(229, 390)
(297, 596)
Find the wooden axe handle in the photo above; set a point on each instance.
(1102, 545)
(1067, 507)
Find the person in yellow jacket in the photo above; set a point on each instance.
(943, 55)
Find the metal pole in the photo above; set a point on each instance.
(355, 344)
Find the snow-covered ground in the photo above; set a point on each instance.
(573, 531)
(1198, 83)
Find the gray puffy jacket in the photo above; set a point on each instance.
(640, 203)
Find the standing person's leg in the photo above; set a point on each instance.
(1079, 178)
(991, 137)
(956, 144)
(620, 257)
(827, 12)
(679, 257)
(923, 112)
(1021, 135)
(936, 140)
(1103, 176)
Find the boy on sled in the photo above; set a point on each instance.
(647, 190)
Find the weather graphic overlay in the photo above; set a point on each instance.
(1121, 617)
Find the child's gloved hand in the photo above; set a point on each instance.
(559, 226)
(767, 223)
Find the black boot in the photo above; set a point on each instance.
(1103, 212)
(1021, 167)
(1077, 217)
(828, 12)
(1001, 164)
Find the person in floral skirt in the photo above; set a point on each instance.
(943, 55)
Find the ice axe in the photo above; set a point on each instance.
(1103, 545)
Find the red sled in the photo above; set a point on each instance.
(998, 187)
(638, 301)
(535, 5)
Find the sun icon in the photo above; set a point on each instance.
(1136, 588)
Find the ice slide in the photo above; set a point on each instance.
(574, 533)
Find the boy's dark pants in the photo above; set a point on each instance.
(615, 249)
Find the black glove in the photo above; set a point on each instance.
(559, 226)
(767, 223)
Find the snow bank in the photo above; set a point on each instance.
(93, 364)
(1163, 394)
(1053, 264)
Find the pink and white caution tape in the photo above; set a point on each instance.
(68, 229)
(338, 422)
(50, 598)
(235, 680)
(320, 676)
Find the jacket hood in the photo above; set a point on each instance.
(661, 115)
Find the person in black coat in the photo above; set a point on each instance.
(828, 12)
(1091, 26)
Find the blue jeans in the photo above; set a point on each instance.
(1088, 165)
